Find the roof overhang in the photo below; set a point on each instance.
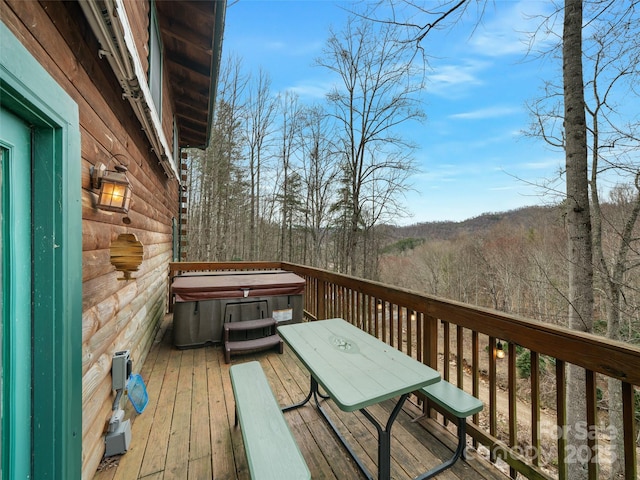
(192, 33)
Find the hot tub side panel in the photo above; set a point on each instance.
(198, 323)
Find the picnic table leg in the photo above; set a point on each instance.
(460, 452)
(344, 442)
(384, 438)
(312, 389)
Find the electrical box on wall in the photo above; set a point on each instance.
(119, 434)
(120, 370)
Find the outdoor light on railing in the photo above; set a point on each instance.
(115, 188)
(379, 305)
(499, 350)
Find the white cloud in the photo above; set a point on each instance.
(510, 29)
(484, 113)
(309, 90)
(455, 80)
(274, 45)
(546, 164)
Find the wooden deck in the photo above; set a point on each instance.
(187, 430)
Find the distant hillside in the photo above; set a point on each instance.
(527, 217)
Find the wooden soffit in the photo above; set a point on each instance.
(192, 33)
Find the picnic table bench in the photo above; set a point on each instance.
(271, 449)
(459, 404)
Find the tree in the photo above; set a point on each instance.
(319, 175)
(578, 214)
(260, 112)
(288, 187)
(374, 94)
(610, 52)
(217, 190)
(613, 64)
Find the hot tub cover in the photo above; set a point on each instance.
(189, 288)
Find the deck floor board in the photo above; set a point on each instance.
(188, 432)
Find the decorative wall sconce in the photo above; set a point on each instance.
(500, 350)
(115, 188)
(126, 254)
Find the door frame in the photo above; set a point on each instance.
(30, 92)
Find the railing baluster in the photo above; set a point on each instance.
(321, 300)
(446, 351)
(592, 422)
(475, 369)
(378, 314)
(366, 309)
(401, 311)
(493, 418)
(431, 341)
(513, 401)
(535, 406)
(629, 422)
(355, 311)
(411, 318)
(361, 310)
(419, 338)
(387, 330)
(460, 355)
(337, 289)
(561, 417)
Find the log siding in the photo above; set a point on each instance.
(116, 315)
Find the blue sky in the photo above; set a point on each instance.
(473, 157)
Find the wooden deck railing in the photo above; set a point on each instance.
(461, 341)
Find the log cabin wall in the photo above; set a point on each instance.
(117, 315)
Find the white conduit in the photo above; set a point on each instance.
(109, 22)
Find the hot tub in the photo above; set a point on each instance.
(205, 301)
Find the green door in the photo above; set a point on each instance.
(15, 320)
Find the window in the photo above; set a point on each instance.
(155, 60)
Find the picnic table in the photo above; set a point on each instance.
(356, 370)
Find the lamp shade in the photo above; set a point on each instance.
(115, 191)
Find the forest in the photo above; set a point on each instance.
(509, 261)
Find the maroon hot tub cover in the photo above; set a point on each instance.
(189, 288)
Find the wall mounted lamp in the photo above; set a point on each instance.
(500, 350)
(115, 188)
